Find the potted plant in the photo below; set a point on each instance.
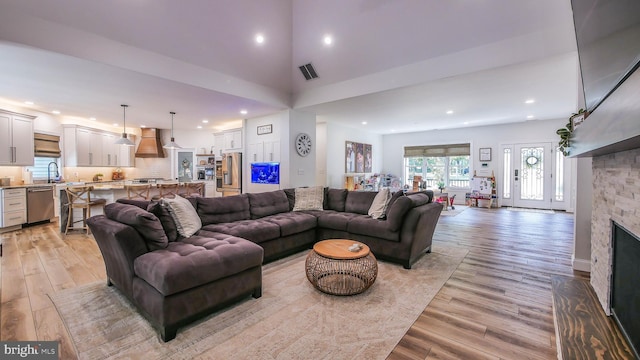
(441, 185)
(565, 132)
(98, 177)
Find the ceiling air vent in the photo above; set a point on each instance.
(308, 71)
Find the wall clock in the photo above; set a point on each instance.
(303, 144)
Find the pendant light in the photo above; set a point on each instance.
(172, 144)
(124, 140)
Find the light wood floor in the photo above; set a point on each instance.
(497, 304)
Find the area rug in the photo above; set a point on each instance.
(292, 320)
(454, 212)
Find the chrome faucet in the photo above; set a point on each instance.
(55, 164)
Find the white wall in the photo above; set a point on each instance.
(303, 168)
(335, 137)
(280, 132)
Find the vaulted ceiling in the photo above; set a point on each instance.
(398, 65)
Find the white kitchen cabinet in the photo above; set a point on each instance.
(110, 151)
(264, 151)
(16, 139)
(227, 141)
(233, 140)
(13, 207)
(218, 143)
(92, 147)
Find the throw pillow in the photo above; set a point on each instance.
(143, 221)
(309, 198)
(379, 206)
(162, 213)
(184, 214)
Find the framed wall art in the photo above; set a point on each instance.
(358, 157)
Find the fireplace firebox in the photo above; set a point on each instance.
(625, 292)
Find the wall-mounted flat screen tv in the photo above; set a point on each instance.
(608, 36)
(265, 173)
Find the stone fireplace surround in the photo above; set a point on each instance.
(616, 196)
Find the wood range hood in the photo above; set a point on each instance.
(150, 144)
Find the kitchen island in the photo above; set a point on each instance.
(108, 190)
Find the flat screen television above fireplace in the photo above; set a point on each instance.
(608, 38)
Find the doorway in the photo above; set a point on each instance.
(533, 176)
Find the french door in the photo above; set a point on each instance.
(529, 176)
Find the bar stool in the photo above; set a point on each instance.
(194, 188)
(138, 191)
(168, 190)
(80, 198)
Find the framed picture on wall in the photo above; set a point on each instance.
(367, 158)
(350, 157)
(485, 154)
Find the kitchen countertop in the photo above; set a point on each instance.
(27, 186)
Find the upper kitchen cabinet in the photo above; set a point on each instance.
(228, 141)
(91, 147)
(16, 139)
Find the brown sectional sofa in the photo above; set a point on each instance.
(181, 279)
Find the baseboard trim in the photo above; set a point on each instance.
(581, 264)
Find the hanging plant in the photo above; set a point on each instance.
(565, 132)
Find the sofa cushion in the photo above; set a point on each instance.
(365, 225)
(394, 197)
(334, 220)
(142, 204)
(196, 261)
(267, 203)
(258, 230)
(336, 199)
(359, 202)
(379, 205)
(184, 215)
(143, 221)
(162, 213)
(418, 199)
(396, 212)
(223, 209)
(293, 222)
(310, 198)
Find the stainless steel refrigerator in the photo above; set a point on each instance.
(231, 174)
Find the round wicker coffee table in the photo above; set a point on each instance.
(333, 269)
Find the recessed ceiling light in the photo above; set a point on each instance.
(143, 126)
(364, 123)
(92, 119)
(199, 127)
(205, 121)
(529, 101)
(114, 124)
(57, 112)
(28, 102)
(466, 123)
(243, 112)
(393, 130)
(449, 112)
(259, 38)
(328, 40)
(529, 116)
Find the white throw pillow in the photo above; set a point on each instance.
(378, 207)
(185, 216)
(309, 198)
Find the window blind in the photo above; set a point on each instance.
(438, 150)
(46, 145)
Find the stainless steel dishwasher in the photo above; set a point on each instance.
(39, 204)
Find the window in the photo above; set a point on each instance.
(446, 164)
(40, 165)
